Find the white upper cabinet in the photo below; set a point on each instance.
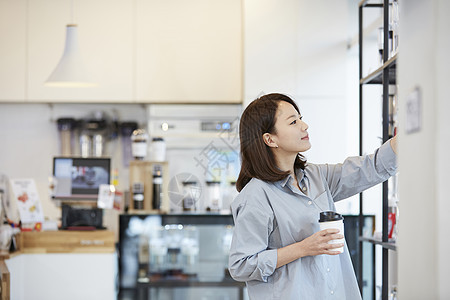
(12, 50)
(105, 41)
(146, 51)
(189, 51)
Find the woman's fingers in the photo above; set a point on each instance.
(318, 243)
(328, 231)
(331, 234)
(332, 249)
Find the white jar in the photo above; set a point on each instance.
(158, 149)
(214, 194)
(139, 139)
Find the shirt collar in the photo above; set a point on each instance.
(300, 173)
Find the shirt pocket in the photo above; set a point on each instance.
(322, 202)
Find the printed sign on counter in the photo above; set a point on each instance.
(106, 194)
(28, 203)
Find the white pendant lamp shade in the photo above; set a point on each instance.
(70, 70)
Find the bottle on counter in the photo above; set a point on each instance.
(157, 189)
(138, 195)
(158, 149)
(214, 200)
(191, 193)
(139, 139)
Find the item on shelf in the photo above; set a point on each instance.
(190, 249)
(392, 208)
(214, 196)
(66, 127)
(158, 149)
(157, 189)
(393, 293)
(6, 236)
(333, 220)
(380, 44)
(191, 194)
(392, 115)
(392, 220)
(143, 258)
(139, 139)
(138, 195)
(173, 236)
(393, 25)
(158, 252)
(126, 130)
(390, 41)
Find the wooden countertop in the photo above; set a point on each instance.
(64, 241)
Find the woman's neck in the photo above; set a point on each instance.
(286, 163)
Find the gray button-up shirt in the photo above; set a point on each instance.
(269, 216)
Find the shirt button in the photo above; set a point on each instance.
(304, 188)
(309, 202)
(328, 270)
(332, 292)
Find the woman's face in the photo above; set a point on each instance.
(291, 132)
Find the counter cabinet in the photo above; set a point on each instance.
(62, 265)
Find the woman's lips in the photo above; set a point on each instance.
(305, 138)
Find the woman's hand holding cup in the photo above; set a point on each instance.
(318, 243)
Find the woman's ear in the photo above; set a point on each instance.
(268, 140)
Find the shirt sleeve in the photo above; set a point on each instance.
(250, 258)
(359, 173)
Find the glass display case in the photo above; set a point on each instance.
(185, 256)
(176, 256)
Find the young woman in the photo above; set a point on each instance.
(277, 247)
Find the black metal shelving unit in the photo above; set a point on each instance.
(384, 75)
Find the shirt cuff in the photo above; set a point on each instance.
(268, 260)
(388, 158)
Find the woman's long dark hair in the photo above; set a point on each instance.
(257, 158)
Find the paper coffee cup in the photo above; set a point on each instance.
(333, 220)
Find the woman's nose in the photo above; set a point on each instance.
(304, 126)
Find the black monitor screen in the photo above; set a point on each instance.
(80, 178)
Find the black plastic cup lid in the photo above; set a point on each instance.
(327, 216)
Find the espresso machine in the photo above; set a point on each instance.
(93, 135)
(86, 137)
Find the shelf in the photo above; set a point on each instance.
(376, 77)
(189, 218)
(141, 171)
(146, 283)
(170, 283)
(365, 3)
(387, 245)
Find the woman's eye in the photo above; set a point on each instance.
(294, 122)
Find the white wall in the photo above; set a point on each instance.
(300, 48)
(424, 264)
